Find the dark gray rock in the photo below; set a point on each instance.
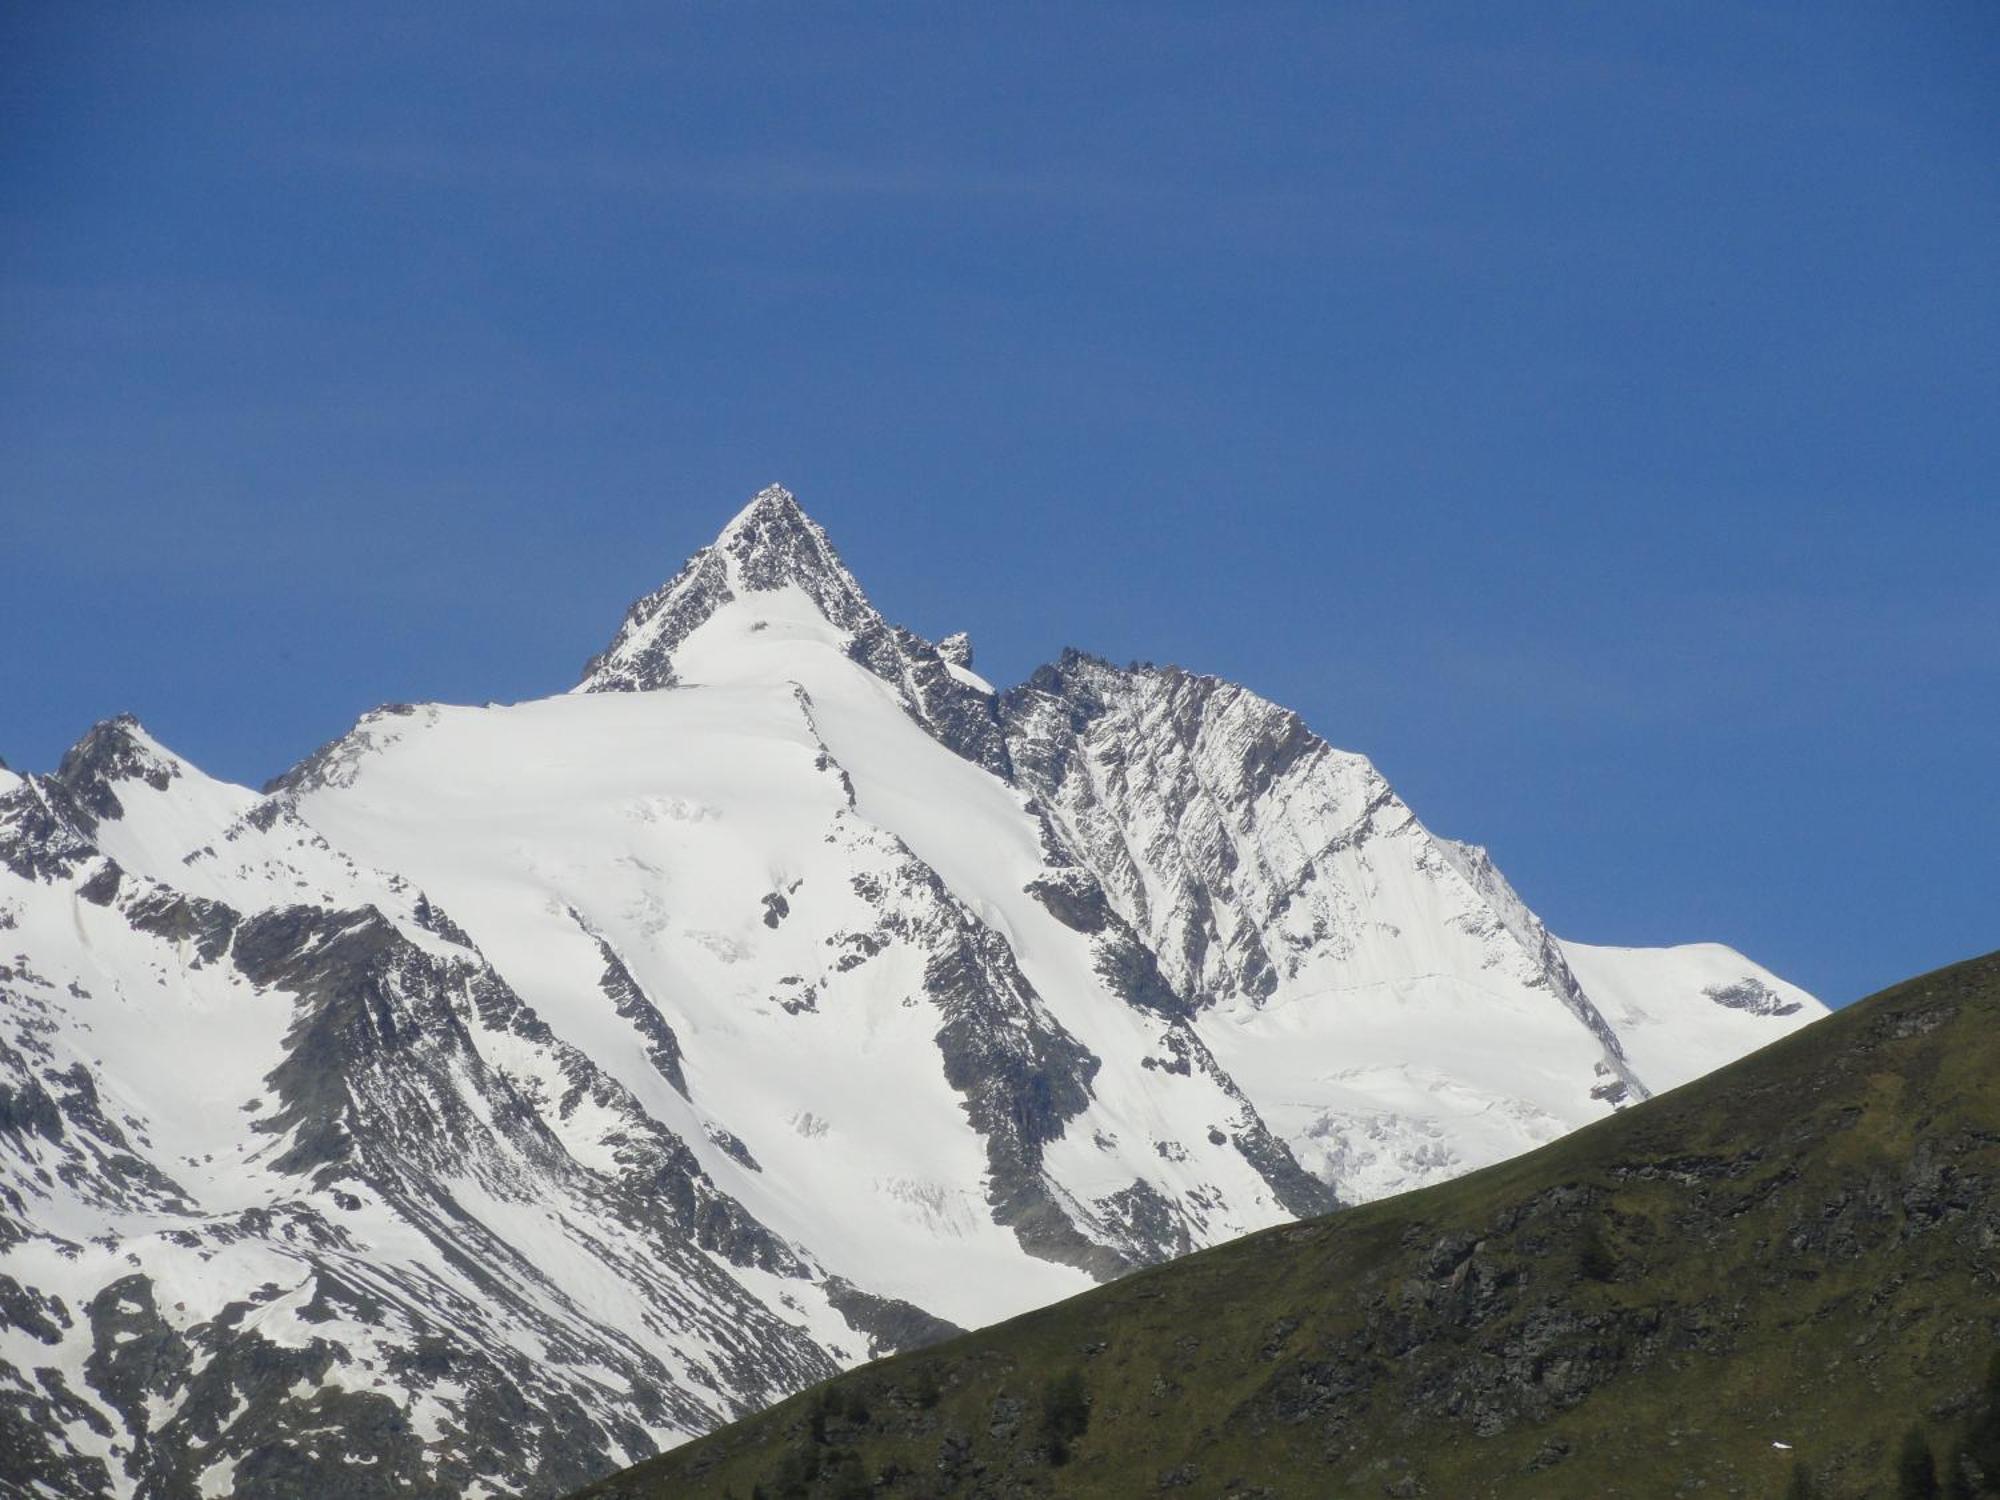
(111, 753)
(1752, 995)
(891, 1325)
(44, 834)
(637, 1009)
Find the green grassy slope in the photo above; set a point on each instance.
(1803, 1248)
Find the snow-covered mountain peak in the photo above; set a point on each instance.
(772, 547)
(115, 752)
(119, 747)
(770, 544)
(539, 1084)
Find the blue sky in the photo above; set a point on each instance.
(1589, 413)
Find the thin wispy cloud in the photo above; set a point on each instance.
(778, 176)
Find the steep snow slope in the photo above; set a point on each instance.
(1681, 1012)
(547, 1083)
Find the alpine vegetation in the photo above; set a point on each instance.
(506, 1094)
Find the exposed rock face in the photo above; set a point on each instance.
(1752, 995)
(505, 1094)
(42, 831)
(1267, 871)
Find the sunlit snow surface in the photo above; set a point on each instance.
(586, 1056)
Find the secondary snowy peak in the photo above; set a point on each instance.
(273, 1111)
(115, 752)
(48, 823)
(773, 548)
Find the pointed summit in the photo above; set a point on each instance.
(114, 752)
(773, 544)
(771, 535)
(770, 544)
(773, 505)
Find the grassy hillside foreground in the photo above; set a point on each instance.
(1801, 1249)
